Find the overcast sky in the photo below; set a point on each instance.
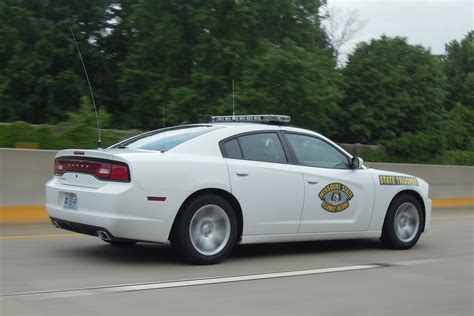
(431, 23)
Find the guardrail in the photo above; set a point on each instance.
(24, 172)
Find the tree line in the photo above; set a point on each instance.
(178, 57)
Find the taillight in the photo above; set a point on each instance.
(101, 169)
(58, 167)
(119, 173)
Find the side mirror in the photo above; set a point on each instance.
(357, 162)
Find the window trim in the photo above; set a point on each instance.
(286, 151)
(295, 158)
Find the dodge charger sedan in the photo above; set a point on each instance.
(238, 179)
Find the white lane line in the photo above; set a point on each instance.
(184, 283)
(62, 293)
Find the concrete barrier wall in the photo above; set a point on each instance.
(23, 174)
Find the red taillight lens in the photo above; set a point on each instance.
(101, 169)
(119, 173)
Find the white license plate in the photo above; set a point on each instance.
(70, 201)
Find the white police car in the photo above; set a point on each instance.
(206, 187)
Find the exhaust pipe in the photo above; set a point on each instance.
(103, 235)
(56, 224)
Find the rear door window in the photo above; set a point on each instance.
(262, 147)
(232, 149)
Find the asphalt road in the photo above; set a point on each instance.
(46, 271)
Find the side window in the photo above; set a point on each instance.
(232, 149)
(262, 147)
(314, 152)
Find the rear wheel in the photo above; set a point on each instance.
(403, 223)
(206, 231)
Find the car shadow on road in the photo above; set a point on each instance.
(141, 253)
(148, 253)
(304, 248)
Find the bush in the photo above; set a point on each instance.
(411, 149)
(372, 153)
(58, 137)
(420, 147)
(457, 157)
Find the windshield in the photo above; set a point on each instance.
(166, 138)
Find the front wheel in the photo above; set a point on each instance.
(403, 223)
(206, 231)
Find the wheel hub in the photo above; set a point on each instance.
(206, 229)
(209, 229)
(407, 222)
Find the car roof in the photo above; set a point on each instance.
(206, 143)
(264, 126)
(252, 126)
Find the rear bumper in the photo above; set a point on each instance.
(121, 209)
(118, 227)
(84, 229)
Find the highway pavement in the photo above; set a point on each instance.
(47, 271)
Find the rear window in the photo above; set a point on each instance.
(166, 138)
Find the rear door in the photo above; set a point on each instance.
(337, 198)
(269, 189)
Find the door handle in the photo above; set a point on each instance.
(241, 173)
(312, 180)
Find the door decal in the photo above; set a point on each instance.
(397, 180)
(335, 197)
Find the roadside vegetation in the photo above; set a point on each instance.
(151, 58)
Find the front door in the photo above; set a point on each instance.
(337, 198)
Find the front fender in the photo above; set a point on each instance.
(387, 188)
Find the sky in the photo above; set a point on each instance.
(430, 23)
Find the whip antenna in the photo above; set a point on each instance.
(163, 112)
(99, 142)
(233, 100)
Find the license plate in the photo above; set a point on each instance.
(70, 201)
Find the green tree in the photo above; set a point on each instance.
(40, 73)
(459, 69)
(85, 116)
(184, 55)
(292, 80)
(394, 94)
(459, 129)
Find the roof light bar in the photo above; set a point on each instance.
(261, 118)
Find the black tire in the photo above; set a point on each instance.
(181, 236)
(391, 237)
(117, 243)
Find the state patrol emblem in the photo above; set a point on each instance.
(335, 197)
